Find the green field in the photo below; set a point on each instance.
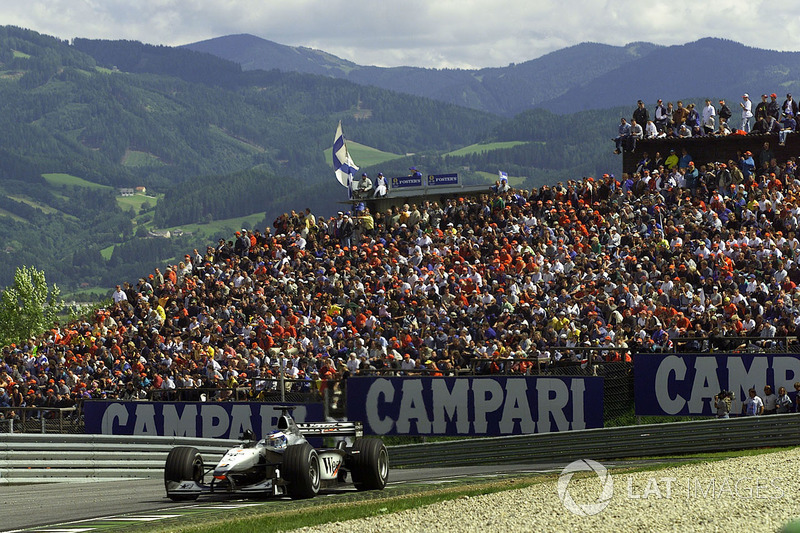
(479, 148)
(136, 202)
(67, 180)
(107, 252)
(134, 158)
(224, 227)
(17, 53)
(364, 156)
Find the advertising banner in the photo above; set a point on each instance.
(685, 384)
(190, 419)
(442, 179)
(406, 181)
(474, 405)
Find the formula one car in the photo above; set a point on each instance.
(282, 463)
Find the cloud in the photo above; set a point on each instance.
(438, 33)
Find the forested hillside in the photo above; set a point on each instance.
(215, 148)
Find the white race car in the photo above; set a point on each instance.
(282, 463)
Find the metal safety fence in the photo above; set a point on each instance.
(607, 443)
(26, 458)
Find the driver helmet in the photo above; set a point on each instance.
(276, 440)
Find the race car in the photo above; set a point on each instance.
(282, 463)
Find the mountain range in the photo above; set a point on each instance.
(581, 77)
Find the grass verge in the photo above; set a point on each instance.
(313, 513)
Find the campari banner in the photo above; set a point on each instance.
(475, 405)
(225, 420)
(685, 384)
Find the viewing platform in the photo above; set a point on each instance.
(708, 149)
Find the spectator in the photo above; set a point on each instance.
(671, 127)
(623, 135)
(672, 160)
(753, 405)
(652, 132)
(638, 262)
(640, 115)
(661, 117)
(770, 401)
(709, 114)
(747, 112)
(724, 112)
(773, 109)
(724, 130)
(693, 121)
(789, 106)
(761, 109)
(636, 135)
(788, 126)
(679, 116)
(784, 403)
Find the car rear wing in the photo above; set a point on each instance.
(331, 429)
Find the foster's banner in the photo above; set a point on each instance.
(190, 419)
(685, 384)
(476, 405)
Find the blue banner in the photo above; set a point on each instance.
(190, 419)
(442, 179)
(406, 181)
(685, 384)
(474, 405)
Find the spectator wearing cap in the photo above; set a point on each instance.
(381, 186)
(773, 108)
(660, 116)
(747, 112)
(746, 164)
(788, 125)
(364, 185)
(709, 116)
(761, 109)
(789, 106)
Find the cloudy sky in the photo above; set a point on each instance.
(427, 33)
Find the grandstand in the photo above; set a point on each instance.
(570, 278)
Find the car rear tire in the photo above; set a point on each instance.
(184, 463)
(369, 467)
(301, 470)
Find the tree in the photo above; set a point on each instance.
(28, 306)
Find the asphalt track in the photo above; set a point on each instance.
(65, 506)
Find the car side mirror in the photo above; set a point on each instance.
(247, 435)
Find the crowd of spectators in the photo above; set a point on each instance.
(587, 269)
(670, 121)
